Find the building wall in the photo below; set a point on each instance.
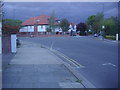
(36, 30)
(27, 29)
(0, 37)
(42, 28)
(6, 44)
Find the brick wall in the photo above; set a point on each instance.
(6, 44)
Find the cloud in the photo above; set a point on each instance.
(74, 11)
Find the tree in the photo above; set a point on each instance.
(11, 26)
(52, 22)
(64, 24)
(111, 26)
(90, 22)
(96, 22)
(82, 28)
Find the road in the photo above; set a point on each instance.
(99, 58)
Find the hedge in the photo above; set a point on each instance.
(110, 37)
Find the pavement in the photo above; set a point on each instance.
(6, 58)
(34, 66)
(0, 71)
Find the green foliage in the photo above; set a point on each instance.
(79, 81)
(48, 29)
(11, 22)
(98, 22)
(111, 26)
(95, 22)
(64, 24)
(82, 33)
(90, 23)
(110, 37)
(52, 21)
(91, 20)
(10, 26)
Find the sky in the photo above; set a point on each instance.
(75, 12)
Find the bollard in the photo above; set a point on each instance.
(117, 37)
(13, 43)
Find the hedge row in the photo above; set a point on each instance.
(110, 37)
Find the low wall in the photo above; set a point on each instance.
(40, 34)
(6, 44)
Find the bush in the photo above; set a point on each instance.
(10, 26)
(90, 33)
(110, 37)
(82, 34)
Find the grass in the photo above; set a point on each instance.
(79, 81)
(110, 37)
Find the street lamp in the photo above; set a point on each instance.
(103, 27)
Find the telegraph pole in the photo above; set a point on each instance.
(14, 13)
(1, 14)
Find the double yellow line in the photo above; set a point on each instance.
(70, 60)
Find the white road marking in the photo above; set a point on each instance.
(109, 64)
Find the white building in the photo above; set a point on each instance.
(72, 27)
(36, 25)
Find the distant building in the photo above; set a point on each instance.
(72, 27)
(36, 25)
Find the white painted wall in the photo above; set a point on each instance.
(75, 28)
(27, 29)
(0, 38)
(42, 28)
(13, 43)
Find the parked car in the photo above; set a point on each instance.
(74, 33)
(18, 43)
(96, 35)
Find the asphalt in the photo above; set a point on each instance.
(99, 57)
(0, 71)
(34, 66)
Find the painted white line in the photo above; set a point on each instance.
(109, 64)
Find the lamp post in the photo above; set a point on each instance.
(103, 27)
(103, 33)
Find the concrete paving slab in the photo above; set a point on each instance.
(70, 85)
(23, 85)
(7, 85)
(35, 67)
(46, 85)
